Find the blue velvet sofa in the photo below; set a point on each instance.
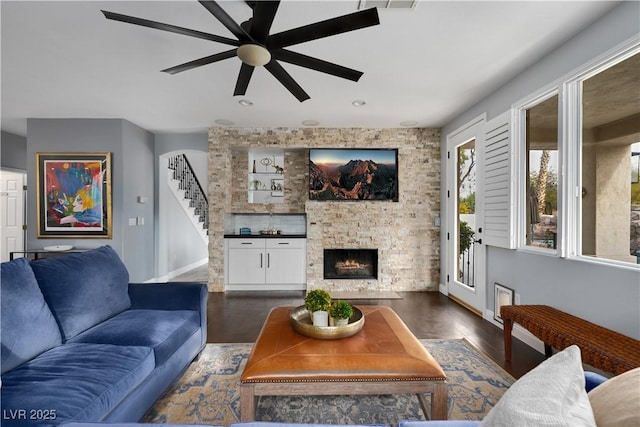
(80, 343)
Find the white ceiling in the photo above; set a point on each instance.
(426, 65)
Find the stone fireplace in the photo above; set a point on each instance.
(350, 264)
(404, 233)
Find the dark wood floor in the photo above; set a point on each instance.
(238, 317)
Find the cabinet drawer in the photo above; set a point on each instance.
(285, 243)
(246, 243)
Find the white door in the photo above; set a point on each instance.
(11, 213)
(465, 254)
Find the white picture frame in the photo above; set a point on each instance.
(502, 296)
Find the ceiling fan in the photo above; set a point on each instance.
(256, 47)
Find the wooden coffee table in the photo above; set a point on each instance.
(383, 358)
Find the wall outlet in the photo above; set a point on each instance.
(132, 222)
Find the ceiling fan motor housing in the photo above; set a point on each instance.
(254, 54)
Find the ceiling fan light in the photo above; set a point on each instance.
(253, 54)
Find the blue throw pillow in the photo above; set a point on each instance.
(27, 325)
(83, 289)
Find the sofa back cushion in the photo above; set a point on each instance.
(83, 289)
(27, 324)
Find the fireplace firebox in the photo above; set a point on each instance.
(350, 263)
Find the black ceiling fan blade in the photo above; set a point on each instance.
(287, 81)
(168, 27)
(317, 64)
(263, 14)
(246, 71)
(226, 20)
(330, 27)
(200, 62)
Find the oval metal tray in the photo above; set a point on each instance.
(301, 323)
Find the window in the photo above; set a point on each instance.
(579, 153)
(610, 201)
(541, 139)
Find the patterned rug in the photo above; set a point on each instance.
(208, 393)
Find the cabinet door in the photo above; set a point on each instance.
(246, 266)
(286, 266)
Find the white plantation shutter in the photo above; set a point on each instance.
(499, 180)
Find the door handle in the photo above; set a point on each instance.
(268, 260)
(260, 260)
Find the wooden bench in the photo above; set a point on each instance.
(601, 348)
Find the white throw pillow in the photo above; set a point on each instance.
(552, 394)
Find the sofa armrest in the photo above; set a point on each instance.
(172, 296)
(593, 380)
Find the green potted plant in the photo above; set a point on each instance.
(341, 312)
(318, 302)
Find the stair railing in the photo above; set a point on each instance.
(188, 182)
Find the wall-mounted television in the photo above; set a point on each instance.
(353, 174)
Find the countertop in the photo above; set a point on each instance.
(265, 236)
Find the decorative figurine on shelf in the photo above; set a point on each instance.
(266, 162)
(278, 169)
(254, 166)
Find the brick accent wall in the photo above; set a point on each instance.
(404, 232)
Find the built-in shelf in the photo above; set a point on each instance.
(265, 183)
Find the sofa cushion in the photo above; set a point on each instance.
(27, 326)
(616, 402)
(163, 331)
(83, 289)
(78, 382)
(551, 394)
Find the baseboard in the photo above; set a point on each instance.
(273, 287)
(167, 277)
(465, 305)
(518, 332)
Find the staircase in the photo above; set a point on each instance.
(188, 190)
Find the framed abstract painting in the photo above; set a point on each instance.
(74, 195)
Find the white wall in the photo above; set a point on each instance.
(606, 295)
(178, 247)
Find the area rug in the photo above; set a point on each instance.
(208, 393)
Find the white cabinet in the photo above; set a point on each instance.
(286, 261)
(246, 258)
(265, 264)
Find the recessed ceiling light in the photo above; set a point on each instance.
(224, 122)
(310, 122)
(409, 123)
(358, 102)
(245, 103)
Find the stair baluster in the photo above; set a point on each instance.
(188, 182)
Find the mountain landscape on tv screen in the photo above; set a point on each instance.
(355, 180)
